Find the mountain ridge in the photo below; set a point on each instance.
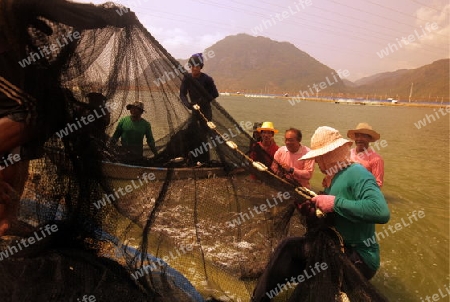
(250, 64)
(425, 82)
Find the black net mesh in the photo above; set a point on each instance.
(186, 225)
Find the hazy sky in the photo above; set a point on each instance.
(362, 36)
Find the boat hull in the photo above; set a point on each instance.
(124, 171)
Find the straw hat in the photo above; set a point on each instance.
(365, 129)
(325, 140)
(267, 126)
(136, 104)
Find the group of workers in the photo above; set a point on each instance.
(352, 192)
(289, 157)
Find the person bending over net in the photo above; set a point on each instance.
(338, 245)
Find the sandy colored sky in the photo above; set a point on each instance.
(364, 37)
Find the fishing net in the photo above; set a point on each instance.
(188, 224)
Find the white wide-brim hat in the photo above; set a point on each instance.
(325, 140)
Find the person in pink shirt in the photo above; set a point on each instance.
(286, 160)
(372, 161)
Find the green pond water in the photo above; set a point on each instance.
(415, 245)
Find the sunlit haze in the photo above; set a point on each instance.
(364, 37)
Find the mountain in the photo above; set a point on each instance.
(260, 65)
(380, 76)
(429, 82)
(349, 83)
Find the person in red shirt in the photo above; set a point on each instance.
(286, 160)
(264, 150)
(372, 161)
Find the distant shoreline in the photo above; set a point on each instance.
(349, 102)
(378, 103)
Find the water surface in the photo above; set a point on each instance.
(415, 252)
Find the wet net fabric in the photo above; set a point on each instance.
(189, 224)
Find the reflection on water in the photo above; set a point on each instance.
(415, 255)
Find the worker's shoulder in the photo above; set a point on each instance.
(144, 121)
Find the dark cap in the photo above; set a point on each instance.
(136, 104)
(196, 60)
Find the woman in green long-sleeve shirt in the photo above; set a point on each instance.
(353, 194)
(359, 204)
